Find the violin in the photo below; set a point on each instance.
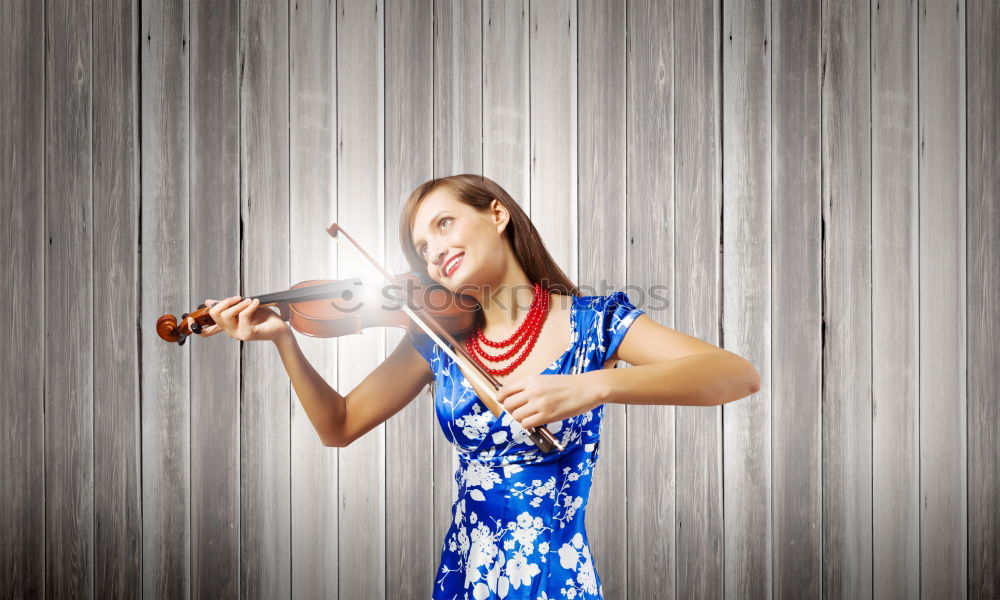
(332, 308)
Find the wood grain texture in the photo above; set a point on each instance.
(360, 198)
(796, 277)
(697, 297)
(69, 288)
(649, 261)
(942, 299)
(830, 210)
(214, 124)
(552, 114)
(412, 549)
(506, 100)
(983, 248)
(164, 247)
(312, 43)
(265, 421)
(23, 243)
(847, 292)
(747, 293)
(117, 440)
(895, 333)
(601, 223)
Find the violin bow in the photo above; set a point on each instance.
(541, 436)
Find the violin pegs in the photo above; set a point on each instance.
(184, 316)
(195, 327)
(202, 305)
(181, 339)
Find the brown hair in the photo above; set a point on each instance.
(479, 192)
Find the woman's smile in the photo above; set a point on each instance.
(451, 266)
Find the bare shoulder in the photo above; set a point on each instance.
(561, 302)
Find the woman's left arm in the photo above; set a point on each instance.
(669, 368)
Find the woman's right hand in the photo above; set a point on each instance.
(241, 320)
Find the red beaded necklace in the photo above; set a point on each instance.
(526, 333)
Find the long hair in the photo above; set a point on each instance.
(479, 192)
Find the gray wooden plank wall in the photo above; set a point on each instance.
(812, 184)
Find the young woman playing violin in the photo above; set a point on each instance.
(517, 526)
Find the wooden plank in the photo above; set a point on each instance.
(505, 139)
(552, 70)
(359, 41)
(650, 475)
(983, 293)
(22, 243)
(601, 68)
(165, 374)
(746, 325)
(313, 206)
(68, 272)
(265, 494)
(412, 549)
(797, 266)
(847, 206)
(941, 247)
(117, 441)
(215, 208)
(458, 143)
(458, 76)
(895, 458)
(698, 263)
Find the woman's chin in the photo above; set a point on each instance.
(463, 282)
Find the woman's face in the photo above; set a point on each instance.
(461, 246)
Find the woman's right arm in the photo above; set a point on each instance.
(339, 420)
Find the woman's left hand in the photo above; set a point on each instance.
(537, 400)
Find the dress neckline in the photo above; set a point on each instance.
(569, 348)
(554, 364)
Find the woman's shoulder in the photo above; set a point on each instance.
(603, 320)
(613, 303)
(425, 346)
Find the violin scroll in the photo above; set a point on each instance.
(168, 329)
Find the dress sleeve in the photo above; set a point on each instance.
(617, 316)
(424, 345)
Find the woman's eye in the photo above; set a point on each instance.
(443, 221)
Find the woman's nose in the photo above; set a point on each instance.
(438, 255)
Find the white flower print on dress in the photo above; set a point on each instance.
(575, 555)
(520, 571)
(476, 425)
(479, 475)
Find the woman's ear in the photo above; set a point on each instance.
(500, 215)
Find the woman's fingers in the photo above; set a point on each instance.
(224, 310)
(245, 317)
(217, 307)
(221, 313)
(522, 412)
(210, 330)
(514, 401)
(227, 317)
(235, 308)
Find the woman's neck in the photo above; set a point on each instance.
(505, 303)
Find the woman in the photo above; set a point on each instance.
(517, 527)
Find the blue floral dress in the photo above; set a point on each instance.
(517, 529)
